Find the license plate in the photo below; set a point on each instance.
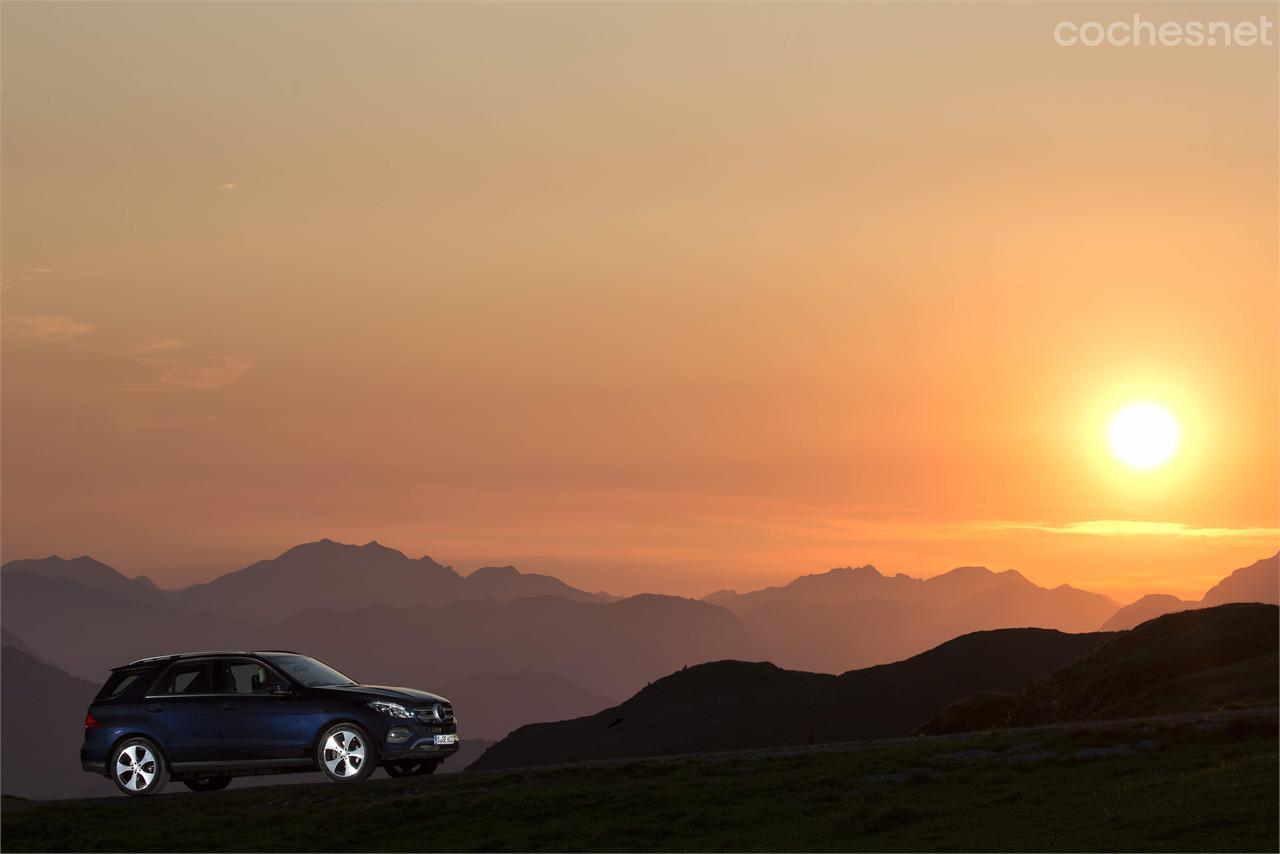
(451, 738)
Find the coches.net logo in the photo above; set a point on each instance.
(1139, 32)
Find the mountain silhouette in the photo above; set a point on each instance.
(518, 648)
(497, 703)
(1147, 608)
(88, 573)
(607, 648)
(8, 638)
(851, 617)
(1191, 661)
(321, 575)
(43, 716)
(1258, 582)
(728, 705)
(85, 630)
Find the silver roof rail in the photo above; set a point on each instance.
(153, 658)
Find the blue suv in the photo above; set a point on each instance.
(205, 717)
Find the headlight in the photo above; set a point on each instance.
(389, 708)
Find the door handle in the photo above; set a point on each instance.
(155, 708)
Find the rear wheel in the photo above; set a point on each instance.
(207, 784)
(344, 754)
(137, 768)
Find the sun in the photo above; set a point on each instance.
(1143, 435)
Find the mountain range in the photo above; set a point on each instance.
(1258, 582)
(320, 575)
(518, 648)
(855, 617)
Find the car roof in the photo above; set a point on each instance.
(176, 656)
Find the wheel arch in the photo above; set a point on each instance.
(134, 733)
(371, 740)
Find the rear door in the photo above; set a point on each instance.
(254, 724)
(182, 709)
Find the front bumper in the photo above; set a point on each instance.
(421, 750)
(415, 740)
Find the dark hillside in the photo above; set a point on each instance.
(43, 722)
(1180, 662)
(1189, 661)
(730, 705)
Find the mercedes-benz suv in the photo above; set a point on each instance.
(203, 718)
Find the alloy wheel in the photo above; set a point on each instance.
(135, 767)
(344, 753)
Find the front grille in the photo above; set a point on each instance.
(435, 713)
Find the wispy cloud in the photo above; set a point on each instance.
(201, 374)
(42, 276)
(1129, 528)
(49, 327)
(174, 367)
(160, 345)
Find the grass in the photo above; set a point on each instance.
(1157, 785)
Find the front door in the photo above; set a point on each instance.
(253, 723)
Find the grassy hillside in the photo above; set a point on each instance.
(735, 705)
(1201, 660)
(1187, 784)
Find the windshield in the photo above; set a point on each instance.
(308, 671)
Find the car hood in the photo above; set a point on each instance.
(387, 692)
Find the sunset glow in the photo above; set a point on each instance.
(653, 297)
(1143, 435)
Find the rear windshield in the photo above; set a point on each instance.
(120, 682)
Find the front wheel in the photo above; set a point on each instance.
(207, 784)
(344, 754)
(137, 768)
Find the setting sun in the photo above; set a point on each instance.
(1143, 435)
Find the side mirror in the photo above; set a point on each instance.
(279, 689)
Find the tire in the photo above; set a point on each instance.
(207, 784)
(138, 767)
(345, 754)
(411, 768)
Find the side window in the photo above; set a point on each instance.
(120, 682)
(244, 676)
(186, 677)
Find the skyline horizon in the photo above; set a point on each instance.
(466, 568)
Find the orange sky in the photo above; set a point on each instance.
(656, 297)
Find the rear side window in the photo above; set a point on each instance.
(121, 682)
(186, 677)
